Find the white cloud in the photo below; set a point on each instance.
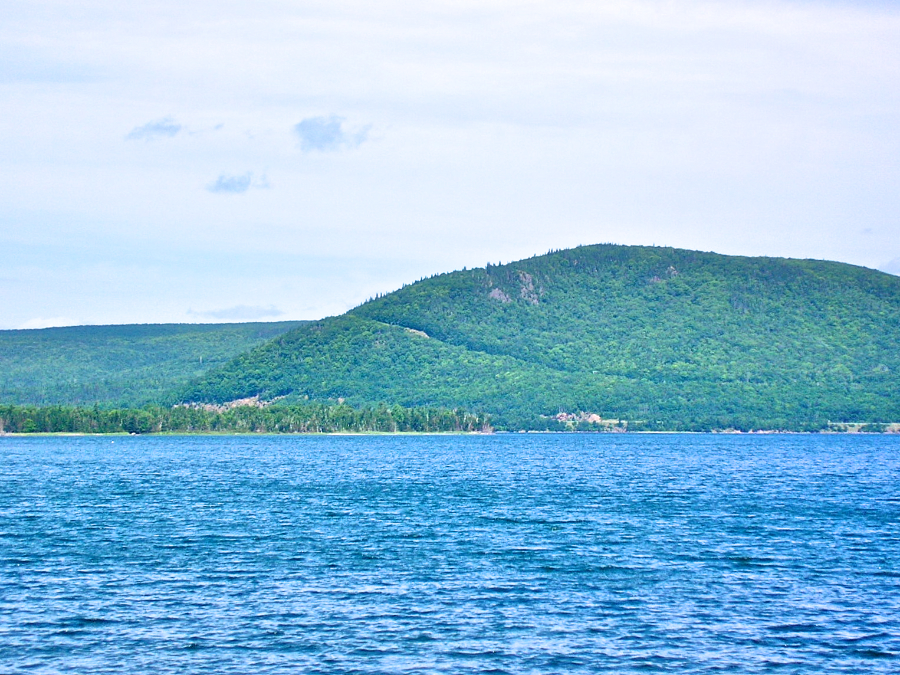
(327, 133)
(231, 184)
(164, 127)
(498, 130)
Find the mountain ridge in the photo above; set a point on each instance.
(666, 337)
(129, 364)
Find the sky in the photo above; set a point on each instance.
(269, 160)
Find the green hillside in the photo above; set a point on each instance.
(118, 365)
(665, 337)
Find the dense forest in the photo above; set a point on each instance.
(598, 337)
(298, 418)
(118, 365)
(664, 338)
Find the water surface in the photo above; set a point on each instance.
(512, 553)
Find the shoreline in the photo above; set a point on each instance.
(120, 434)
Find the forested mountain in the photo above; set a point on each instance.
(662, 337)
(118, 365)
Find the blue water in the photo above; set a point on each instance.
(504, 554)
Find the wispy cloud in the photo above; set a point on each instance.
(239, 313)
(327, 133)
(238, 184)
(164, 127)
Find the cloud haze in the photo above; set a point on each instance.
(55, 322)
(239, 313)
(892, 267)
(407, 139)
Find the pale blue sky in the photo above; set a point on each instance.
(197, 161)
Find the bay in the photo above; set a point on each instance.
(467, 554)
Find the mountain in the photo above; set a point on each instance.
(664, 338)
(120, 365)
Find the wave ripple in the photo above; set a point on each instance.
(434, 554)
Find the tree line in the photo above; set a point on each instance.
(299, 418)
